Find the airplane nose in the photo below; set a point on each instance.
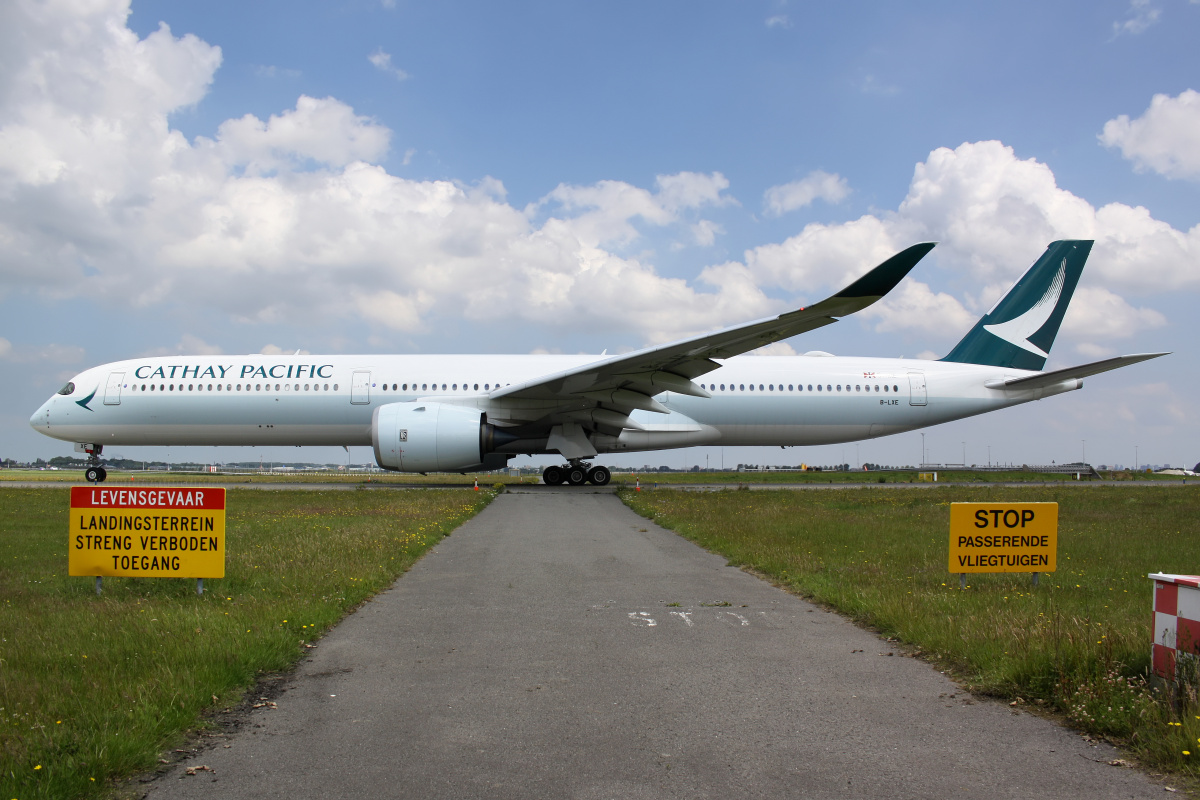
(40, 419)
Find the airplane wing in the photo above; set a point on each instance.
(1043, 379)
(629, 381)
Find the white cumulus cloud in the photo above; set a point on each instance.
(1165, 139)
(817, 185)
(992, 214)
(1097, 313)
(291, 217)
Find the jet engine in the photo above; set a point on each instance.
(435, 437)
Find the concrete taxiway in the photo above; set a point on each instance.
(558, 645)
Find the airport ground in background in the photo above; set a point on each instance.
(648, 479)
(99, 687)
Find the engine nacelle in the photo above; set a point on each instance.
(433, 437)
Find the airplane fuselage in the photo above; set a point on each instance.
(329, 400)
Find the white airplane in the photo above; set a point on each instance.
(457, 413)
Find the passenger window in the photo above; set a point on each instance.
(818, 387)
(742, 386)
(895, 388)
(477, 387)
(770, 387)
(789, 387)
(722, 387)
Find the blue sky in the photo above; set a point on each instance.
(570, 177)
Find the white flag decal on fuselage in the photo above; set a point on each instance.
(1018, 329)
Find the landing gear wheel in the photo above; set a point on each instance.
(552, 476)
(103, 475)
(576, 476)
(92, 475)
(599, 476)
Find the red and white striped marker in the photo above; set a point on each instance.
(1176, 621)
(637, 484)
(477, 484)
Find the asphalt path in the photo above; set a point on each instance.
(558, 645)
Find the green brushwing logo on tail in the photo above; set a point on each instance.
(1020, 328)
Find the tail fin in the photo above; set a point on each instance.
(1020, 328)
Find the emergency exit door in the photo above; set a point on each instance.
(112, 390)
(360, 388)
(916, 388)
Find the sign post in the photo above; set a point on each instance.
(1003, 537)
(147, 533)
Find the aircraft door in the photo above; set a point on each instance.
(112, 390)
(916, 389)
(360, 388)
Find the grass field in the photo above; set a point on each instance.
(1078, 645)
(92, 688)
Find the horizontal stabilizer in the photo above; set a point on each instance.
(1059, 375)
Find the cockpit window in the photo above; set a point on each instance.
(68, 389)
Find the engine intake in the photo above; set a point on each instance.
(434, 437)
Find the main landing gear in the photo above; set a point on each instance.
(576, 473)
(94, 472)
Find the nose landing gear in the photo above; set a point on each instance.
(94, 472)
(576, 473)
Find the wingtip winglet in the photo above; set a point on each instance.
(883, 278)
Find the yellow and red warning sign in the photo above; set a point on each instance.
(1003, 537)
(147, 533)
